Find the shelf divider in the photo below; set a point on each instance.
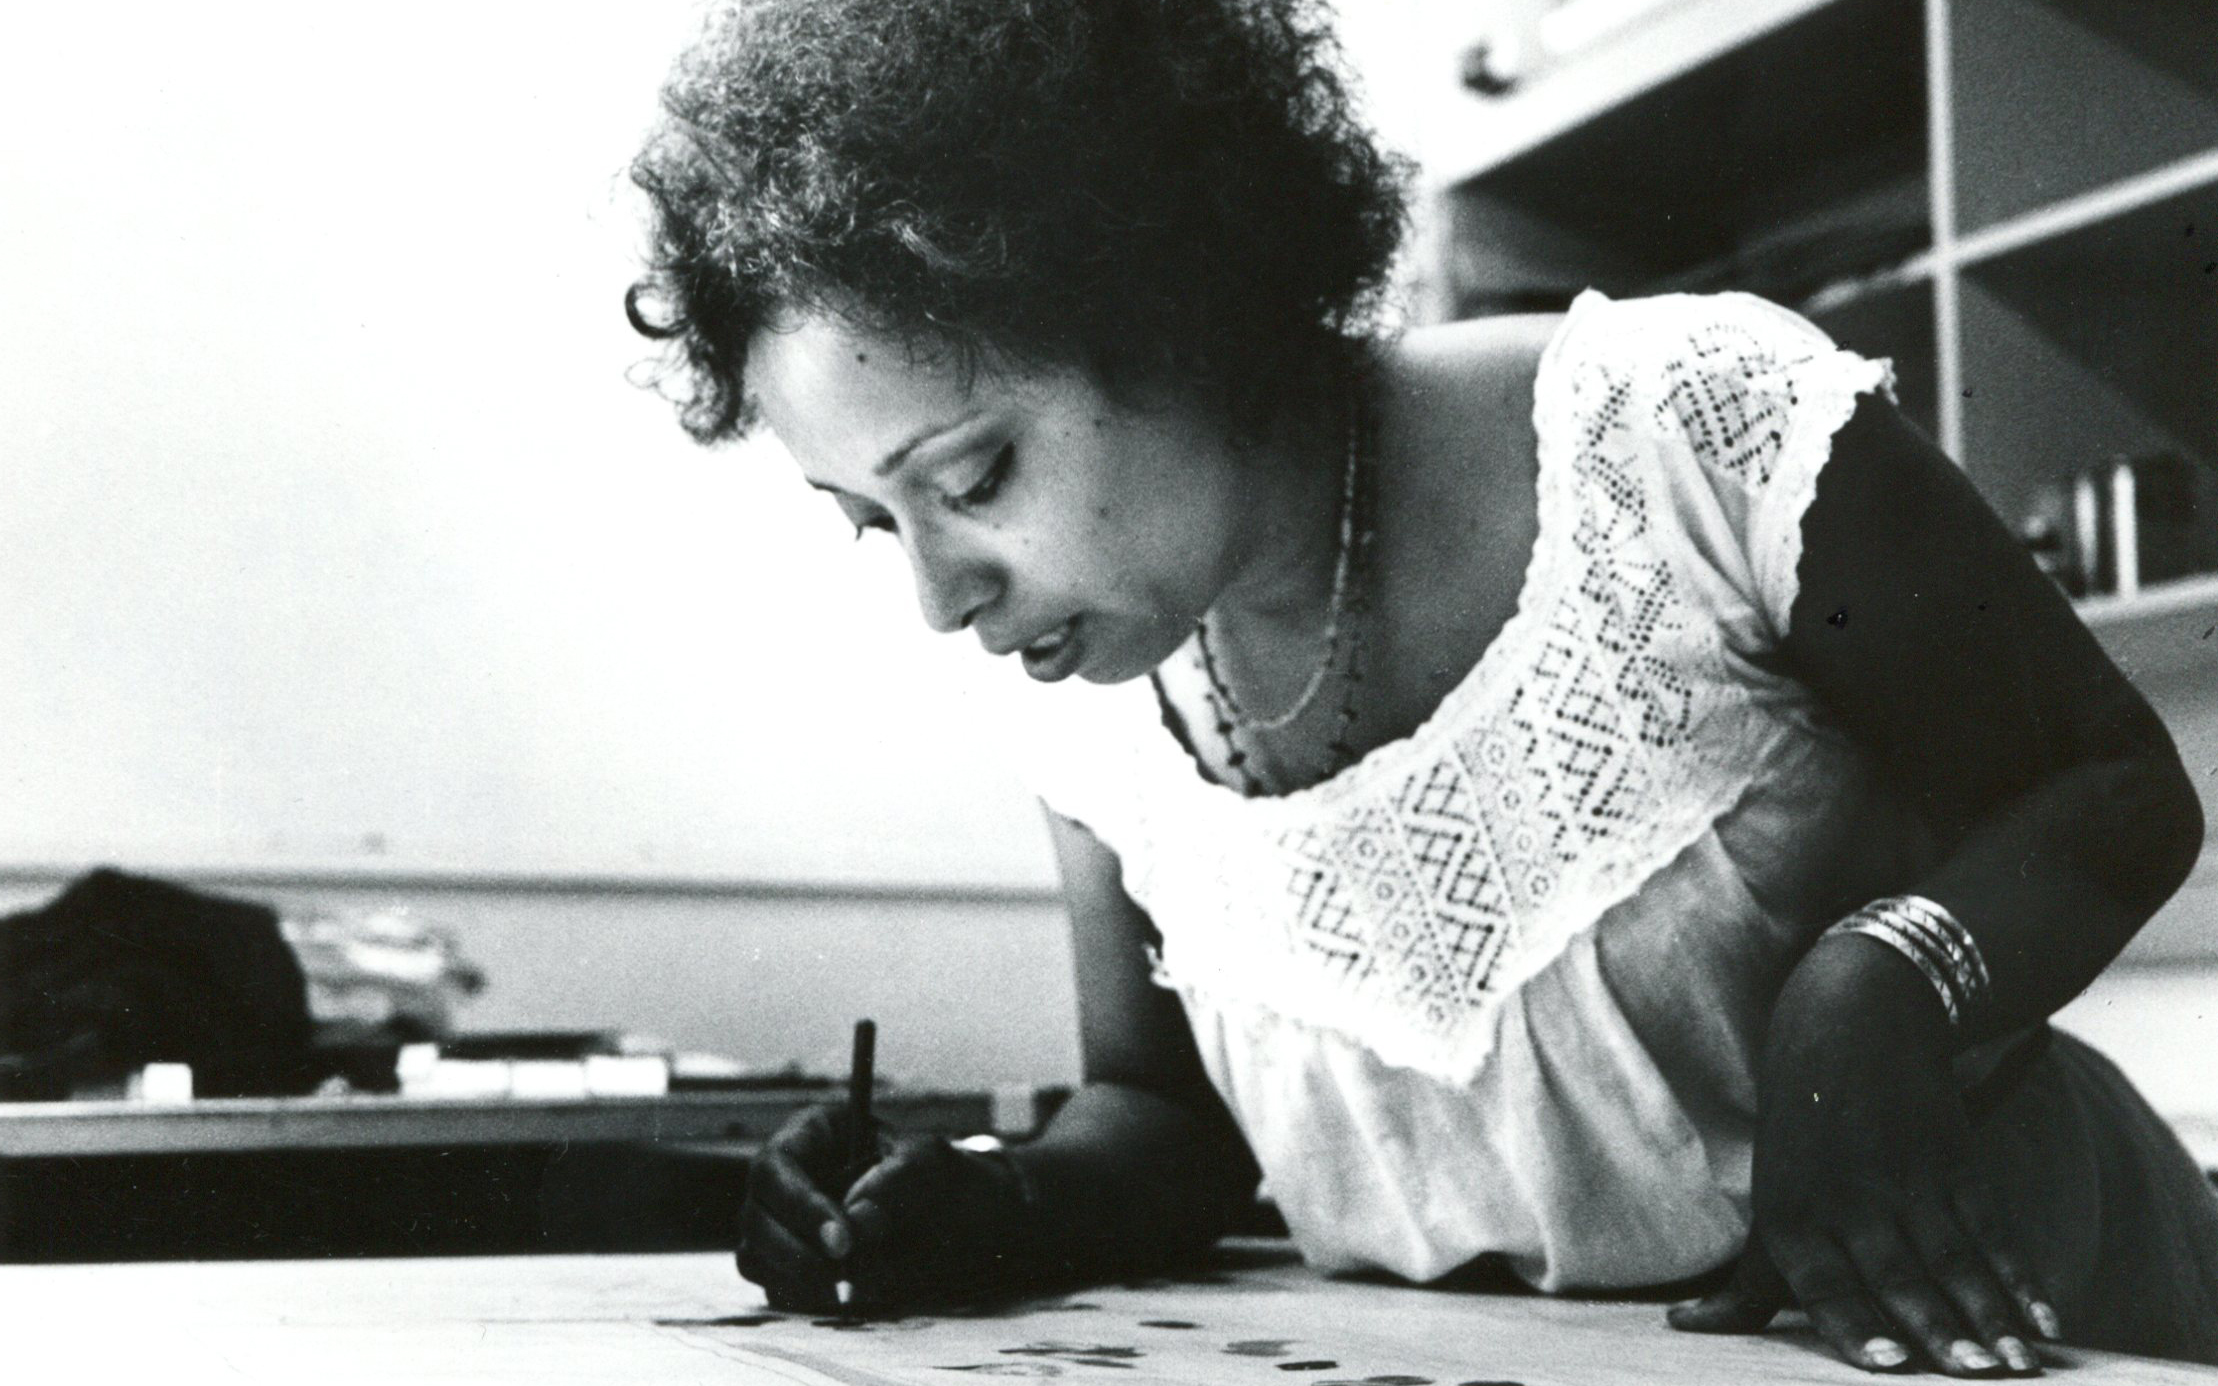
(2121, 198)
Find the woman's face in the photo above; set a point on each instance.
(1084, 534)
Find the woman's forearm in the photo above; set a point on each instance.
(1124, 1179)
(2051, 887)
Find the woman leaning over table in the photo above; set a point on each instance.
(1593, 796)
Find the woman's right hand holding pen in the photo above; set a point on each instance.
(927, 1221)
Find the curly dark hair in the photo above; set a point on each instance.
(1148, 189)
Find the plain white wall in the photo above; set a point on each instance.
(331, 532)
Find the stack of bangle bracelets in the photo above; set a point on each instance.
(1930, 937)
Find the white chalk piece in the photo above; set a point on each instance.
(627, 1075)
(414, 1064)
(546, 1080)
(464, 1078)
(162, 1083)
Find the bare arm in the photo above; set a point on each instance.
(1143, 1163)
(2056, 794)
(2064, 819)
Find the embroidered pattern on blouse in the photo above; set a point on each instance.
(1416, 894)
(1738, 432)
(1600, 736)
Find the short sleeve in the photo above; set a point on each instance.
(1742, 399)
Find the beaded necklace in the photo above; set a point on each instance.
(1343, 622)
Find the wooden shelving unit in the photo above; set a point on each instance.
(2016, 200)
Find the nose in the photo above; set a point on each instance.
(952, 585)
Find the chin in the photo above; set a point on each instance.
(1128, 663)
(1106, 677)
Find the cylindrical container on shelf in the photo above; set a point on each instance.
(2125, 530)
(2090, 545)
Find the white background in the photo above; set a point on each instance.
(331, 531)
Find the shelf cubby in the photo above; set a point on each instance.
(1794, 160)
(2053, 98)
(2091, 344)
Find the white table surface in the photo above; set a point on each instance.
(558, 1321)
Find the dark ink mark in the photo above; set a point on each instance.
(1034, 1370)
(1167, 1323)
(1073, 1350)
(1490, 1383)
(1259, 1347)
(1839, 619)
(2209, 633)
(1397, 1379)
(862, 358)
(1318, 1366)
(728, 1321)
(849, 1325)
(1968, 393)
(1071, 1308)
(1102, 1362)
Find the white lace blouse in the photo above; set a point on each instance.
(1498, 986)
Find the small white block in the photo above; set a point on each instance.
(415, 1061)
(163, 1083)
(463, 1078)
(627, 1075)
(547, 1079)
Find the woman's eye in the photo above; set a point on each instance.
(988, 483)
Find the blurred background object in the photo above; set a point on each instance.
(379, 973)
(122, 971)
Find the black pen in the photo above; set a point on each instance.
(862, 1139)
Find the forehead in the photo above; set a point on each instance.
(840, 397)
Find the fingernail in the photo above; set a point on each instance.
(2044, 1318)
(836, 1241)
(1885, 1352)
(1972, 1357)
(2017, 1354)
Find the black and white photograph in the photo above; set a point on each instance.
(1201, 692)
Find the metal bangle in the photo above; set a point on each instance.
(1933, 940)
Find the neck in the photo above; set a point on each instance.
(1297, 477)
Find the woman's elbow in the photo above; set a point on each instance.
(2160, 827)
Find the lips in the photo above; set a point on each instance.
(1054, 655)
